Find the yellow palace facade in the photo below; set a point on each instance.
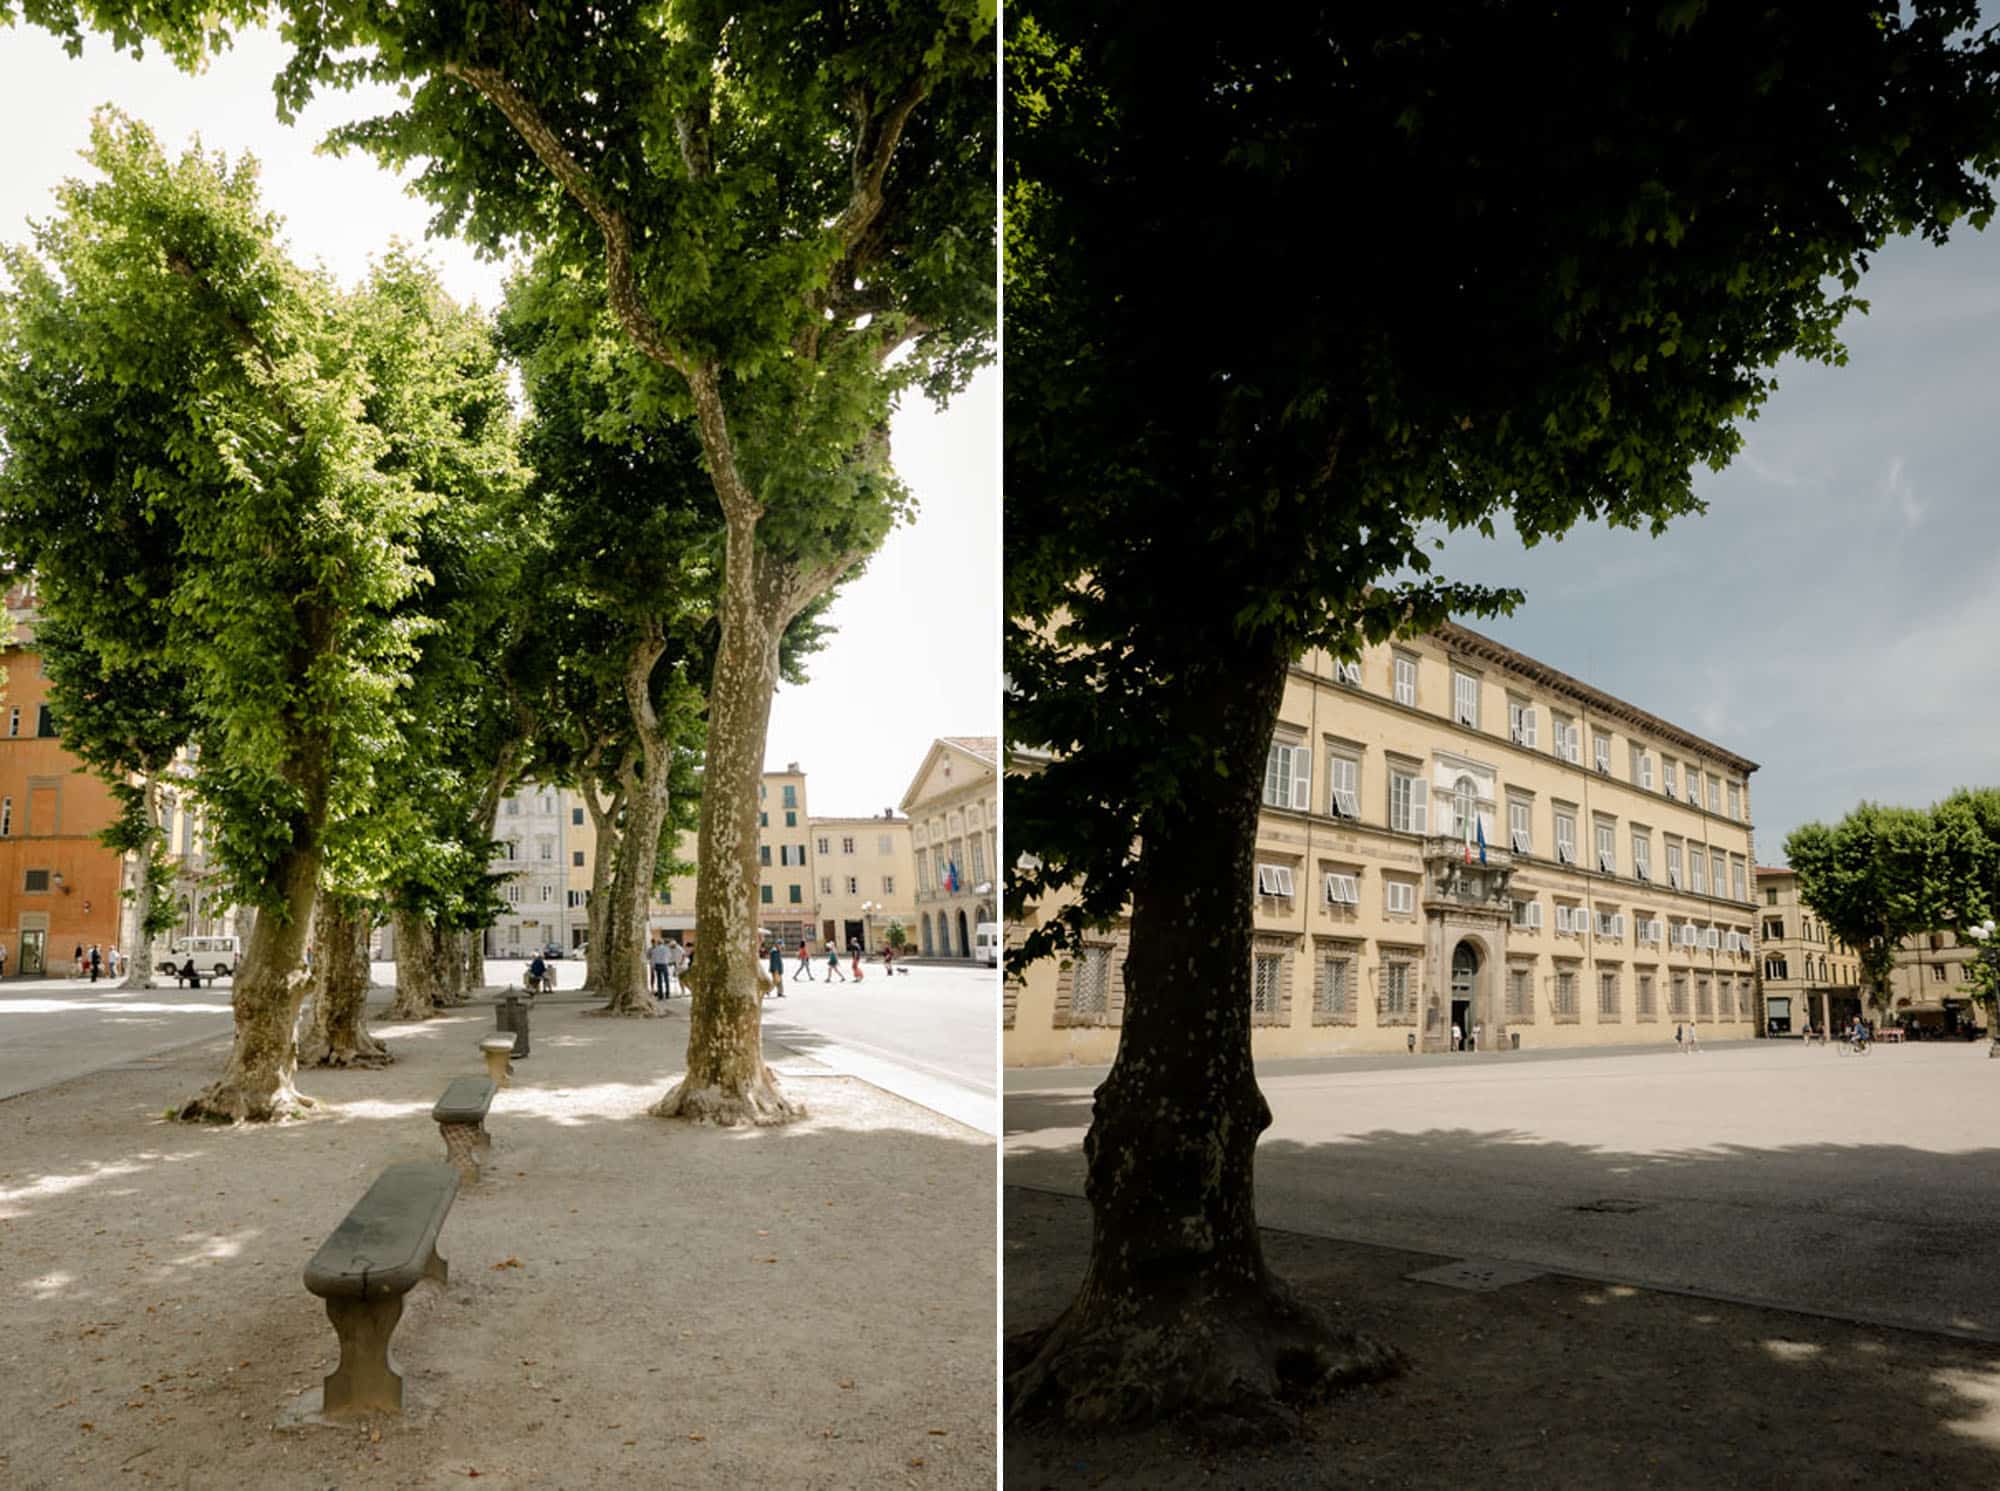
(1461, 843)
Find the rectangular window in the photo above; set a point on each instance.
(1774, 968)
(1735, 801)
(764, 854)
(1401, 897)
(1673, 864)
(1396, 988)
(1678, 992)
(978, 859)
(826, 885)
(1607, 848)
(763, 820)
(764, 894)
(847, 846)
(513, 807)
(576, 817)
(1266, 985)
(1343, 890)
(923, 870)
(576, 858)
(1521, 722)
(1406, 680)
(1566, 993)
(1770, 895)
(1600, 753)
(791, 795)
(546, 850)
(1607, 994)
(791, 820)
(1090, 985)
(853, 886)
(1409, 800)
(1333, 998)
(514, 895)
(1288, 777)
(1519, 832)
(822, 846)
(796, 894)
(1519, 988)
(1274, 880)
(45, 722)
(1698, 863)
(1642, 854)
(35, 882)
(1739, 887)
(14, 720)
(1667, 776)
(1704, 999)
(888, 885)
(1714, 794)
(6, 816)
(548, 892)
(1645, 996)
(1718, 867)
(1567, 743)
(1528, 914)
(1566, 838)
(1642, 768)
(1344, 778)
(1465, 699)
(1348, 673)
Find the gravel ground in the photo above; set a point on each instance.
(632, 1302)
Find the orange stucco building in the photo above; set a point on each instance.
(59, 886)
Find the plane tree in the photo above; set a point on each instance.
(1287, 299)
(167, 366)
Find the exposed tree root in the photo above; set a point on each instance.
(759, 1103)
(637, 1006)
(363, 1051)
(231, 1102)
(1238, 1365)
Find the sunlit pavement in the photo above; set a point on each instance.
(1866, 1187)
(54, 1029)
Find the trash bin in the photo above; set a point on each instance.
(1517, 1038)
(510, 1013)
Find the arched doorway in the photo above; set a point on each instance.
(964, 940)
(924, 929)
(1464, 980)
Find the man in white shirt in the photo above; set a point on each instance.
(676, 961)
(656, 955)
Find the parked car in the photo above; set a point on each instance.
(216, 956)
(986, 943)
(554, 950)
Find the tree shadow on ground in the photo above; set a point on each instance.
(1709, 1375)
(630, 1298)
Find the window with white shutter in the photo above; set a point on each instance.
(1600, 750)
(1406, 680)
(1642, 854)
(1343, 785)
(1343, 890)
(1465, 698)
(1667, 769)
(1399, 897)
(1698, 862)
(1274, 880)
(1348, 673)
(1607, 848)
(1520, 833)
(1566, 838)
(1528, 914)
(1521, 722)
(1674, 865)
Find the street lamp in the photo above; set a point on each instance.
(868, 910)
(1989, 954)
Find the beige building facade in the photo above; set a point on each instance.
(1611, 900)
(1931, 984)
(953, 805)
(864, 872)
(1808, 976)
(788, 910)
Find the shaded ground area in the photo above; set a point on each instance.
(631, 1302)
(1550, 1381)
(1867, 1187)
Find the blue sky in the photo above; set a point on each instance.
(1835, 614)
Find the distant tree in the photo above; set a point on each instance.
(1965, 869)
(897, 937)
(1286, 297)
(1870, 879)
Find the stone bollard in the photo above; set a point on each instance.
(510, 1012)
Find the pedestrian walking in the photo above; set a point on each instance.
(656, 958)
(805, 964)
(888, 961)
(1457, 1039)
(854, 947)
(676, 962)
(1478, 1034)
(1694, 1040)
(1680, 1038)
(3, 960)
(96, 961)
(777, 967)
(833, 964)
(80, 965)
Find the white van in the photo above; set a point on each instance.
(212, 955)
(986, 943)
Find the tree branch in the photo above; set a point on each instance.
(874, 146)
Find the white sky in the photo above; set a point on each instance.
(917, 650)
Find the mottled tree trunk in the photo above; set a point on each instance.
(336, 1026)
(727, 1081)
(642, 785)
(452, 967)
(1177, 1313)
(132, 934)
(419, 980)
(475, 961)
(606, 821)
(256, 1084)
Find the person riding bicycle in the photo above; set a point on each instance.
(538, 976)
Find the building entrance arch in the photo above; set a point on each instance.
(1464, 988)
(964, 938)
(924, 931)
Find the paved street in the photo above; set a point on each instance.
(1866, 1187)
(927, 1036)
(55, 1029)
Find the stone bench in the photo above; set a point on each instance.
(373, 1258)
(461, 1119)
(498, 1049)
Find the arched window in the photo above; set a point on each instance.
(1465, 806)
